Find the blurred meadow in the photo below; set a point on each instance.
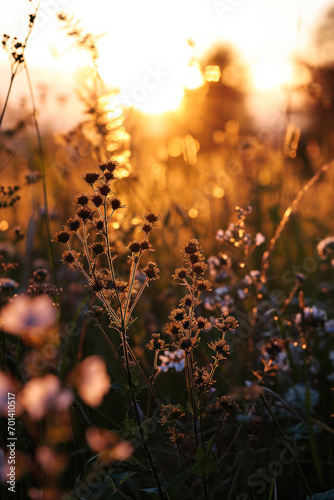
(166, 250)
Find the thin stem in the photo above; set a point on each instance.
(287, 443)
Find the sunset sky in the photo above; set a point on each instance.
(149, 37)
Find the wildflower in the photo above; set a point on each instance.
(203, 285)
(40, 284)
(185, 344)
(134, 246)
(173, 329)
(170, 360)
(62, 236)
(84, 213)
(108, 445)
(226, 323)
(178, 437)
(203, 323)
(329, 326)
(96, 199)
(81, 199)
(151, 271)
(221, 348)
(51, 462)
(108, 165)
(170, 414)
(199, 268)
(115, 203)
(189, 301)
(177, 314)
(104, 189)
(200, 378)
(156, 344)
(41, 395)
(274, 348)
(147, 227)
(191, 247)
(73, 224)
(8, 285)
(92, 380)
(109, 176)
(313, 316)
(180, 273)
(99, 225)
(297, 397)
(146, 245)
(96, 311)
(98, 248)
(223, 405)
(70, 256)
(28, 317)
(90, 177)
(151, 218)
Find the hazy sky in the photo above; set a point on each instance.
(151, 36)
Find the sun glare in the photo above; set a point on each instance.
(269, 76)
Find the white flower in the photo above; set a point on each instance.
(171, 360)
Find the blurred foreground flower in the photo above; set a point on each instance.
(91, 380)
(51, 462)
(29, 318)
(108, 445)
(43, 394)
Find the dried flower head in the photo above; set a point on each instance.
(151, 217)
(203, 285)
(109, 165)
(62, 236)
(104, 189)
(97, 200)
(70, 257)
(180, 273)
(73, 224)
(151, 271)
(81, 199)
(90, 177)
(221, 348)
(191, 247)
(156, 344)
(134, 246)
(170, 414)
(84, 213)
(115, 203)
(98, 248)
(225, 405)
(226, 323)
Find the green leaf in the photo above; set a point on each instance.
(204, 465)
(127, 476)
(110, 482)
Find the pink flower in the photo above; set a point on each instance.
(43, 394)
(92, 380)
(108, 445)
(29, 318)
